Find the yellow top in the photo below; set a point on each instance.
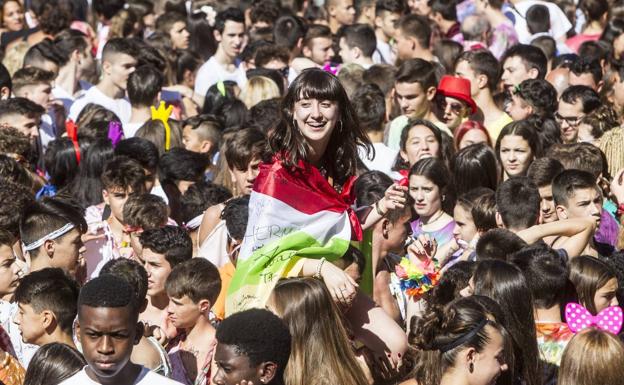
(494, 129)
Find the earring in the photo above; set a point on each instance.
(443, 198)
(471, 367)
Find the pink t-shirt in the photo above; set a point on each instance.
(575, 41)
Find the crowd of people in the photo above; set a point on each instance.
(294, 192)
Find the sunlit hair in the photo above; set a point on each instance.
(257, 89)
(589, 274)
(433, 335)
(592, 357)
(469, 125)
(341, 156)
(321, 353)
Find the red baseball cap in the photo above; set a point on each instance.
(458, 88)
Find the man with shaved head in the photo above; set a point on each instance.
(559, 78)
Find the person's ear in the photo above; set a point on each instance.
(107, 67)
(499, 221)
(357, 53)
(48, 246)
(431, 93)
(562, 212)
(385, 228)
(205, 147)
(378, 21)
(267, 371)
(204, 306)
(77, 329)
(533, 73)
(75, 56)
(217, 35)
(48, 320)
(5, 93)
(105, 197)
(403, 156)
(482, 81)
(140, 329)
(232, 177)
(306, 51)
(331, 10)
(470, 357)
(599, 86)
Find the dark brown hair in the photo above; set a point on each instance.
(341, 155)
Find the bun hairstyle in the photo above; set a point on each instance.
(443, 332)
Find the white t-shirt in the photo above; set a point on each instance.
(146, 377)
(559, 23)
(46, 131)
(383, 161)
(211, 72)
(121, 107)
(130, 129)
(160, 192)
(383, 53)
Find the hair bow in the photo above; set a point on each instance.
(72, 133)
(579, 318)
(115, 132)
(163, 114)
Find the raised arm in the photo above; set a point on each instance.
(578, 231)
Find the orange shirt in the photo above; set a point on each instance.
(226, 272)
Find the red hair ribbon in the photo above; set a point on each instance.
(72, 133)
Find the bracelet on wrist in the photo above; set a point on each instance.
(319, 267)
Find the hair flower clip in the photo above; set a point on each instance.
(579, 318)
(211, 14)
(115, 132)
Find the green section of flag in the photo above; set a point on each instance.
(272, 262)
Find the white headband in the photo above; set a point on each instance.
(53, 235)
(195, 222)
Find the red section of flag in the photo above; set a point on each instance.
(306, 190)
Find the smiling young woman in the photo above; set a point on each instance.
(300, 216)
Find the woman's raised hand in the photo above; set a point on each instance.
(423, 248)
(340, 285)
(394, 198)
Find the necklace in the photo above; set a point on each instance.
(431, 221)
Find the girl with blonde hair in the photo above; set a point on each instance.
(592, 357)
(257, 89)
(321, 353)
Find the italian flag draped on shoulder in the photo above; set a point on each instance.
(294, 213)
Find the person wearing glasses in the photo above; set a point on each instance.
(575, 103)
(454, 101)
